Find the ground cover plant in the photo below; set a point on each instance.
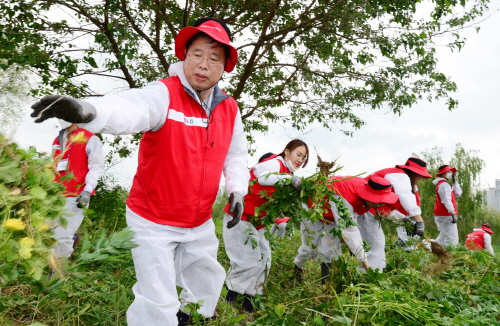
(451, 286)
(416, 289)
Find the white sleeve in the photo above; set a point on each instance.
(235, 166)
(457, 189)
(264, 172)
(351, 235)
(95, 163)
(487, 243)
(402, 187)
(132, 111)
(352, 238)
(444, 191)
(395, 214)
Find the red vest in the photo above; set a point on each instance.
(253, 198)
(439, 208)
(348, 190)
(475, 240)
(180, 165)
(397, 205)
(76, 154)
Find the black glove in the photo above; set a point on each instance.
(297, 182)
(419, 229)
(63, 107)
(83, 199)
(453, 218)
(235, 208)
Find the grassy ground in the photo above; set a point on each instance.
(417, 288)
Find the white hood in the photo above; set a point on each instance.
(435, 181)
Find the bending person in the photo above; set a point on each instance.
(404, 180)
(358, 196)
(480, 239)
(192, 134)
(246, 245)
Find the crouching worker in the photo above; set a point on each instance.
(358, 196)
(192, 134)
(480, 239)
(246, 246)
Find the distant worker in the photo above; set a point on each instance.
(480, 239)
(445, 207)
(76, 152)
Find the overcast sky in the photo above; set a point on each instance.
(386, 139)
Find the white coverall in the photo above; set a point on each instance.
(279, 230)
(250, 266)
(73, 214)
(370, 228)
(168, 256)
(448, 231)
(327, 246)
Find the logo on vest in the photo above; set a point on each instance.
(188, 121)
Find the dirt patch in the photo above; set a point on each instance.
(444, 257)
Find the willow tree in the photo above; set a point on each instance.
(301, 61)
(15, 86)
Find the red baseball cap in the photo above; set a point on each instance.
(416, 165)
(215, 29)
(445, 168)
(377, 190)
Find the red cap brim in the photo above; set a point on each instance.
(364, 191)
(420, 171)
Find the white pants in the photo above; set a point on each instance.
(448, 232)
(249, 266)
(317, 234)
(372, 233)
(64, 235)
(168, 256)
(278, 230)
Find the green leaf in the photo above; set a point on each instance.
(38, 192)
(280, 309)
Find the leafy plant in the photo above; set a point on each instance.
(30, 203)
(316, 193)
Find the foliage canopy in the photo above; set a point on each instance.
(300, 61)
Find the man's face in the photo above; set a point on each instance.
(208, 71)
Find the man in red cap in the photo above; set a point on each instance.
(445, 206)
(359, 196)
(192, 134)
(480, 239)
(404, 179)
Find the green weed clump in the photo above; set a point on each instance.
(417, 288)
(29, 204)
